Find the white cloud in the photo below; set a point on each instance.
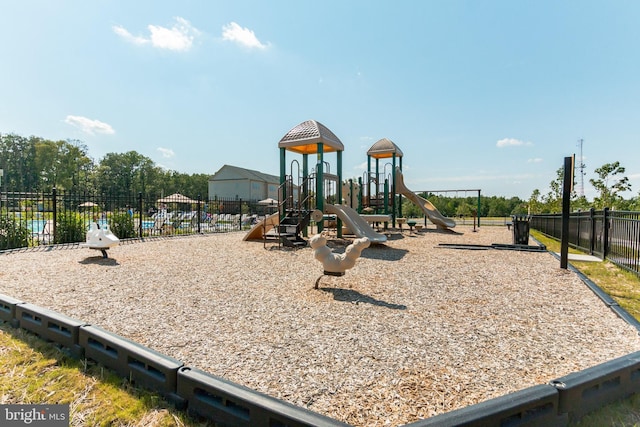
(166, 152)
(122, 32)
(177, 38)
(89, 126)
(511, 142)
(535, 160)
(244, 36)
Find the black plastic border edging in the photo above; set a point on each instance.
(235, 405)
(8, 310)
(533, 406)
(51, 326)
(129, 359)
(587, 390)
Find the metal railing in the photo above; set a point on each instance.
(59, 217)
(611, 235)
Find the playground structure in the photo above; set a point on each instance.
(306, 190)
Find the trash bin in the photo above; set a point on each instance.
(520, 229)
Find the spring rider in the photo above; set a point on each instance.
(336, 264)
(100, 237)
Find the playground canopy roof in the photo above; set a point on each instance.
(303, 139)
(383, 149)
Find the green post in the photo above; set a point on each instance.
(360, 195)
(386, 196)
(320, 183)
(478, 208)
(339, 189)
(377, 184)
(305, 188)
(305, 176)
(393, 193)
(394, 185)
(369, 179)
(283, 173)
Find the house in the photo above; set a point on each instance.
(232, 182)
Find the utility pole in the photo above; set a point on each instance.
(581, 166)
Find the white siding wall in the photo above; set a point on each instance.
(230, 189)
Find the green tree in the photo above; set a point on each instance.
(536, 206)
(62, 164)
(17, 155)
(465, 209)
(123, 174)
(553, 199)
(609, 185)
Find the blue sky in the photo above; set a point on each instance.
(477, 94)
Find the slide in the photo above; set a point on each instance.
(427, 207)
(358, 225)
(257, 231)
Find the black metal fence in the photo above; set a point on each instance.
(36, 219)
(611, 235)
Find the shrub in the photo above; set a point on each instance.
(12, 234)
(121, 224)
(70, 228)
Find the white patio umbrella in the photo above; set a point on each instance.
(87, 205)
(176, 198)
(268, 202)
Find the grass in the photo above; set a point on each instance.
(624, 287)
(620, 284)
(33, 371)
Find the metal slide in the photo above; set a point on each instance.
(358, 225)
(427, 207)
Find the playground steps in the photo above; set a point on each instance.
(291, 226)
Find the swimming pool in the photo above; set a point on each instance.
(36, 226)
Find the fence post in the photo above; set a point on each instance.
(54, 206)
(199, 212)
(592, 231)
(566, 206)
(605, 233)
(140, 215)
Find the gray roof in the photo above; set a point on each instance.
(243, 173)
(304, 137)
(384, 148)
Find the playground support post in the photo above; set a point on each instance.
(478, 211)
(320, 183)
(283, 172)
(339, 190)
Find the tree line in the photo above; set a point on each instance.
(610, 183)
(34, 164)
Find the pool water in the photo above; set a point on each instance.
(36, 226)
